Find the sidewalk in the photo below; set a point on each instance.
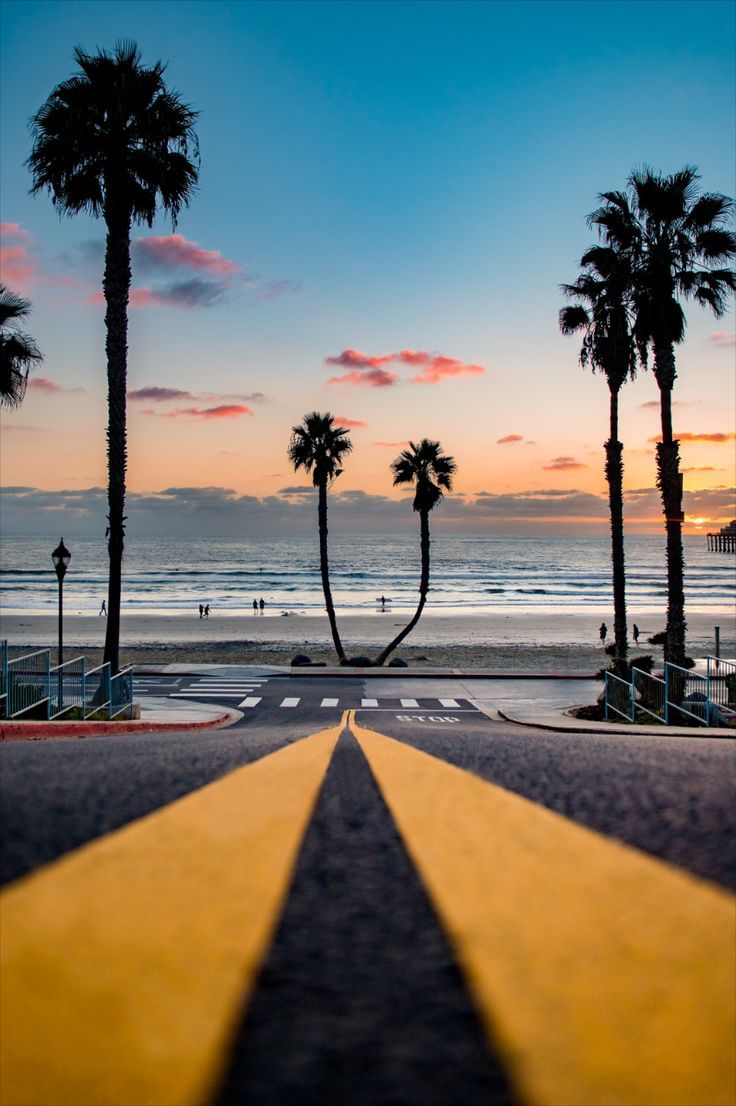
(159, 714)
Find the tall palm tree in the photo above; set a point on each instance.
(18, 351)
(112, 141)
(318, 446)
(603, 316)
(425, 466)
(677, 239)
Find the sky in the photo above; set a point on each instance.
(390, 196)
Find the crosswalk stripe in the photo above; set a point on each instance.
(329, 702)
(369, 702)
(449, 703)
(290, 702)
(251, 701)
(126, 964)
(602, 974)
(210, 694)
(409, 703)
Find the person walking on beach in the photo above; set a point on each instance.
(201, 610)
(636, 634)
(261, 604)
(255, 606)
(207, 610)
(603, 631)
(103, 608)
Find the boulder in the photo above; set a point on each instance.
(300, 661)
(397, 662)
(360, 662)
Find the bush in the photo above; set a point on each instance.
(658, 639)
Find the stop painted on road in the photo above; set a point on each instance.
(426, 718)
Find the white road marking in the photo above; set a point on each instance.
(329, 702)
(449, 703)
(209, 694)
(290, 702)
(369, 702)
(409, 703)
(252, 701)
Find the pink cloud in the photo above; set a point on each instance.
(562, 464)
(723, 338)
(373, 378)
(509, 438)
(175, 251)
(17, 265)
(49, 387)
(158, 395)
(718, 438)
(341, 420)
(433, 366)
(223, 411)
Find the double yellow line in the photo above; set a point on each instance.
(602, 976)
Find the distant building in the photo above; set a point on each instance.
(725, 540)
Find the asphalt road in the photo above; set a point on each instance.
(361, 1001)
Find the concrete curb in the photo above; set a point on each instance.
(53, 731)
(574, 725)
(369, 673)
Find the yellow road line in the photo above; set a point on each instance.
(125, 965)
(604, 977)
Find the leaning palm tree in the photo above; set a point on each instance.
(113, 141)
(603, 316)
(430, 471)
(18, 351)
(677, 241)
(318, 446)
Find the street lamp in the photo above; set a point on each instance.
(61, 557)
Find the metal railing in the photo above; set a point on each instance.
(650, 694)
(722, 686)
(66, 687)
(687, 694)
(29, 683)
(619, 698)
(3, 676)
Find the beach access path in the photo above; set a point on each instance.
(369, 890)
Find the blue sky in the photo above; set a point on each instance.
(385, 176)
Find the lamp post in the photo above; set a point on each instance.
(61, 557)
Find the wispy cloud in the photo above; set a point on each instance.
(509, 438)
(174, 251)
(716, 438)
(369, 368)
(222, 411)
(49, 387)
(392, 445)
(156, 394)
(17, 264)
(723, 338)
(356, 424)
(562, 464)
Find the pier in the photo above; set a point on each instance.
(725, 540)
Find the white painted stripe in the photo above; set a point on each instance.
(223, 687)
(252, 701)
(290, 702)
(449, 703)
(201, 694)
(329, 702)
(409, 703)
(369, 702)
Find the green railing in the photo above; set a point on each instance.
(619, 698)
(29, 684)
(722, 681)
(687, 696)
(650, 694)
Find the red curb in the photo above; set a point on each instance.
(52, 731)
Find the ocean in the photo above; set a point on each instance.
(469, 575)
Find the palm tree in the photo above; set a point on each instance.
(318, 446)
(112, 141)
(603, 316)
(18, 351)
(430, 471)
(676, 239)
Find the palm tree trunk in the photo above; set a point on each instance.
(116, 286)
(615, 478)
(669, 482)
(423, 589)
(325, 569)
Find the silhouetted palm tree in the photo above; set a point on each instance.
(430, 471)
(114, 142)
(318, 446)
(603, 317)
(18, 351)
(675, 238)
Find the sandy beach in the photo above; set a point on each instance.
(515, 641)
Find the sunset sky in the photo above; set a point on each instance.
(390, 196)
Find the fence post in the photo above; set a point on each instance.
(48, 684)
(4, 663)
(632, 696)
